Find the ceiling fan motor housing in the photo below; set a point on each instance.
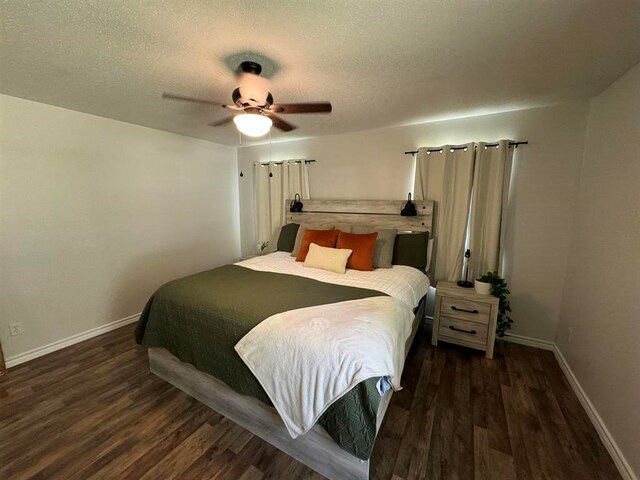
(250, 67)
(252, 90)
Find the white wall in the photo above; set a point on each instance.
(371, 165)
(600, 302)
(95, 214)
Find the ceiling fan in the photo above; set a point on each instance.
(254, 103)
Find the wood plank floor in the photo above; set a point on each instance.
(93, 411)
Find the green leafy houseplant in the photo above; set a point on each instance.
(499, 289)
(262, 246)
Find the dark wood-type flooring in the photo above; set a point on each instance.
(93, 411)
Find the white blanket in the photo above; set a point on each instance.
(308, 358)
(404, 283)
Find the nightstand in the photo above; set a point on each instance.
(465, 318)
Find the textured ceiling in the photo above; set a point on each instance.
(380, 63)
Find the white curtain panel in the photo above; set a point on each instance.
(492, 174)
(445, 177)
(263, 205)
(287, 179)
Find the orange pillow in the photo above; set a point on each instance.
(323, 238)
(363, 246)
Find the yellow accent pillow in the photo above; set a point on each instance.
(325, 258)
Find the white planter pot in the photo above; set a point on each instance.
(482, 288)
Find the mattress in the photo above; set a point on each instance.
(404, 283)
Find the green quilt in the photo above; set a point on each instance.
(200, 318)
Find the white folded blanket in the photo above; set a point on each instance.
(306, 359)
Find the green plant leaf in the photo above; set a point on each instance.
(499, 289)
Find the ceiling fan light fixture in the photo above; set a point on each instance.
(253, 124)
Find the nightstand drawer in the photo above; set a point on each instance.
(465, 309)
(463, 330)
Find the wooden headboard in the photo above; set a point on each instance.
(374, 213)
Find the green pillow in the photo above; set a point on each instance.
(411, 249)
(287, 238)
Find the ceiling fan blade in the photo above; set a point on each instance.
(219, 123)
(280, 123)
(172, 96)
(314, 107)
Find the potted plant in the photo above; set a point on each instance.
(498, 288)
(262, 247)
(482, 286)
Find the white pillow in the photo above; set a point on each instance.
(325, 258)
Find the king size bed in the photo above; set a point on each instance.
(305, 358)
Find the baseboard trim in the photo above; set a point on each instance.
(528, 341)
(607, 439)
(66, 342)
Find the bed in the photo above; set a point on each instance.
(191, 326)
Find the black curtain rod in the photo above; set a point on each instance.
(280, 163)
(433, 150)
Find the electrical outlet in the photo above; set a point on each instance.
(569, 335)
(16, 329)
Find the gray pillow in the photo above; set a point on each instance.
(346, 227)
(300, 234)
(383, 254)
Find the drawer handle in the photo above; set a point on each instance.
(471, 332)
(453, 307)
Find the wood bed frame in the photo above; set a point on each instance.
(316, 449)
